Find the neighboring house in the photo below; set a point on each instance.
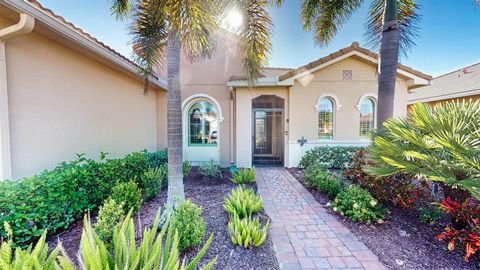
(69, 93)
(461, 84)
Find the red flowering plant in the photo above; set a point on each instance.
(398, 189)
(465, 227)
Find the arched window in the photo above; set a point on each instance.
(325, 118)
(367, 116)
(202, 124)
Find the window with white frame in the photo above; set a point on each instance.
(325, 118)
(367, 116)
(202, 124)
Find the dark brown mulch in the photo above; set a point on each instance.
(402, 242)
(210, 194)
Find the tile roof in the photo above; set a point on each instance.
(459, 83)
(62, 20)
(286, 73)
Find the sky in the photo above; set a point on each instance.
(449, 34)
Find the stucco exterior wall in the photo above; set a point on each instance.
(62, 103)
(207, 79)
(305, 94)
(244, 120)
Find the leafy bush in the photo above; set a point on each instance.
(157, 158)
(429, 214)
(210, 169)
(109, 215)
(129, 194)
(311, 173)
(439, 142)
(186, 167)
(152, 181)
(336, 157)
(329, 184)
(247, 231)
(244, 176)
(37, 258)
(243, 202)
(398, 189)
(188, 221)
(154, 251)
(55, 198)
(466, 227)
(358, 205)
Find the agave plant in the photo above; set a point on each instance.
(440, 143)
(36, 258)
(247, 231)
(244, 176)
(243, 202)
(151, 253)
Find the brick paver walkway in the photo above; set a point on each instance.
(304, 235)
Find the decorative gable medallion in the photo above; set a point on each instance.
(347, 75)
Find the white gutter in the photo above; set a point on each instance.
(24, 26)
(21, 6)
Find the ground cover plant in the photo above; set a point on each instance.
(244, 176)
(210, 169)
(358, 205)
(56, 198)
(334, 157)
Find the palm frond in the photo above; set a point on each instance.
(325, 17)
(121, 8)
(150, 32)
(255, 35)
(408, 20)
(196, 22)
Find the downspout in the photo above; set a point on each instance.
(25, 25)
(232, 129)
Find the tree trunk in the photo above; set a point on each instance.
(176, 193)
(389, 48)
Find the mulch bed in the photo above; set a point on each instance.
(209, 194)
(402, 242)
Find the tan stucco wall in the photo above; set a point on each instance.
(62, 103)
(208, 79)
(244, 97)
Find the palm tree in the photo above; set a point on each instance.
(169, 27)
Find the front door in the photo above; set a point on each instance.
(267, 137)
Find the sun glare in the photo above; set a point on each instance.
(233, 20)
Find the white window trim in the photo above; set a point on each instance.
(336, 107)
(374, 98)
(336, 102)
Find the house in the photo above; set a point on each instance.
(64, 92)
(460, 84)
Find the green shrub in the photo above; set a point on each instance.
(56, 198)
(243, 202)
(311, 173)
(109, 215)
(244, 176)
(329, 184)
(186, 167)
(358, 205)
(247, 231)
(157, 158)
(154, 251)
(210, 169)
(129, 194)
(152, 181)
(188, 221)
(429, 214)
(336, 157)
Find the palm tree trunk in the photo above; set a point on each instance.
(389, 48)
(176, 193)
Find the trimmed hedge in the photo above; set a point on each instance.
(334, 157)
(55, 198)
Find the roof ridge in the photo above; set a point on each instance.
(456, 70)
